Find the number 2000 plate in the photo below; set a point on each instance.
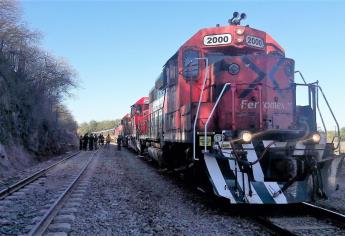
(255, 41)
(217, 39)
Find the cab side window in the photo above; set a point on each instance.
(190, 64)
(171, 72)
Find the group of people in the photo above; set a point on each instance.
(91, 141)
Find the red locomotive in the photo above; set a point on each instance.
(138, 123)
(224, 108)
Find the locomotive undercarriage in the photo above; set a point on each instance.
(173, 156)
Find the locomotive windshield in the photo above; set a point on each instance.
(136, 110)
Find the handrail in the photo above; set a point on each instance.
(211, 114)
(318, 108)
(301, 76)
(200, 98)
(330, 109)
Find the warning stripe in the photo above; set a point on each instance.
(217, 177)
(273, 187)
(242, 180)
(229, 178)
(251, 156)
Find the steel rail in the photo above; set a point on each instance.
(22, 183)
(48, 217)
(274, 228)
(324, 213)
(309, 209)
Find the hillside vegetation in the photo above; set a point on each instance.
(33, 85)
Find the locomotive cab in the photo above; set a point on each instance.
(138, 116)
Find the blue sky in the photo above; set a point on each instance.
(119, 47)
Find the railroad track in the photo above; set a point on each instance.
(308, 220)
(28, 180)
(48, 217)
(37, 205)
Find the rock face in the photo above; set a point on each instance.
(30, 118)
(13, 158)
(3, 153)
(27, 127)
(33, 122)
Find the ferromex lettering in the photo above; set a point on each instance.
(245, 104)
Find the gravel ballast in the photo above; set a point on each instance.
(336, 202)
(127, 196)
(21, 210)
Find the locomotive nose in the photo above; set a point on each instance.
(260, 94)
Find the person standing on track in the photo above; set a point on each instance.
(119, 141)
(107, 140)
(91, 142)
(100, 139)
(85, 140)
(95, 138)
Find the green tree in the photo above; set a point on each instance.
(95, 126)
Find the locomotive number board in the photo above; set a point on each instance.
(217, 39)
(255, 42)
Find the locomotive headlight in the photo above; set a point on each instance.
(239, 31)
(316, 138)
(246, 136)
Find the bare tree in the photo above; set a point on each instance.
(34, 84)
